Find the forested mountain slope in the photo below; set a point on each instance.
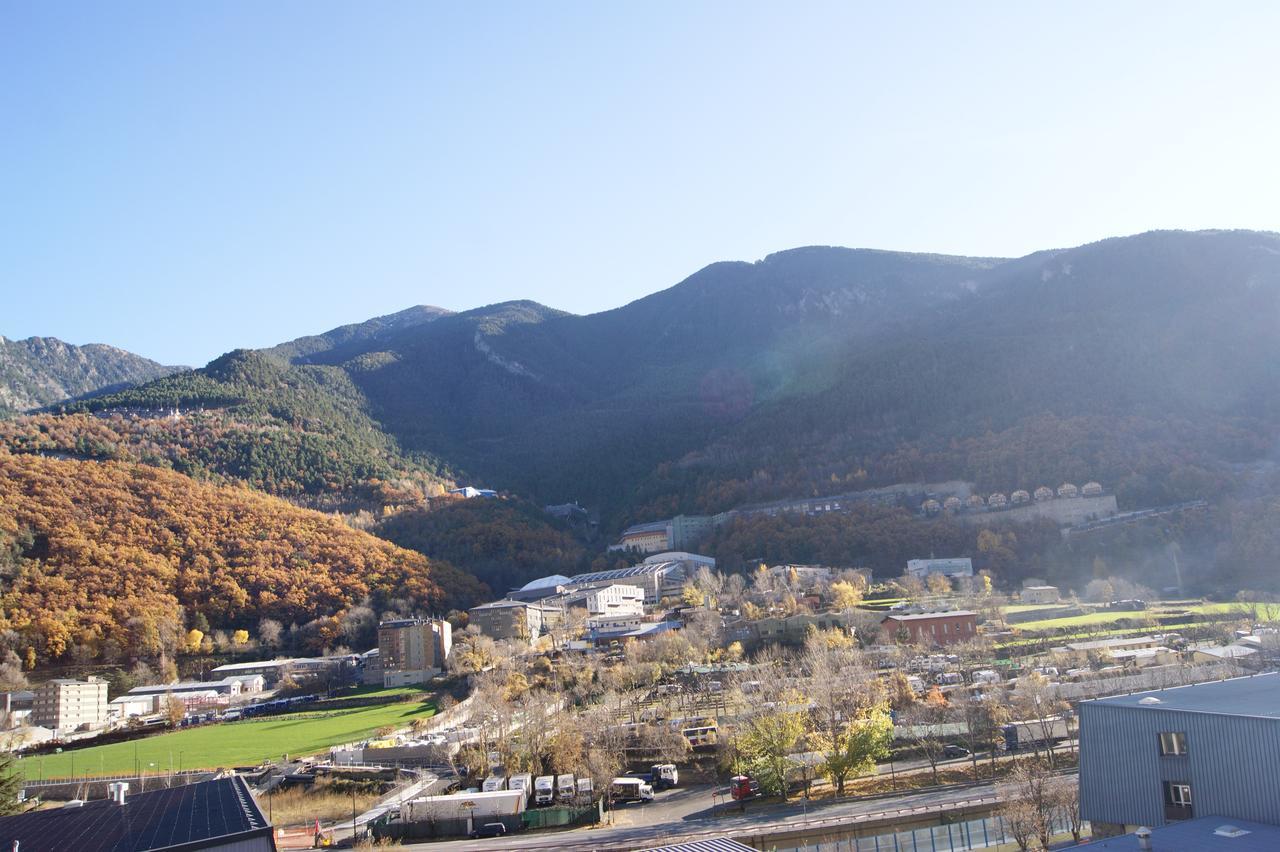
(41, 371)
(105, 560)
(1146, 362)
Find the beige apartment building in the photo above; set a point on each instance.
(514, 620)
(65, 705)
(411, 650)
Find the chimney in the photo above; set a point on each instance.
(116, 791)
(1144, 838)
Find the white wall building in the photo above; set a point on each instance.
(949, 567)
(617, 599)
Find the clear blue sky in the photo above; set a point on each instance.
(181, 179)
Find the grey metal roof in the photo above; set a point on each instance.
(925, 616)
(1200, 834)
(643, 570)
(713, 844)
(1256, 695)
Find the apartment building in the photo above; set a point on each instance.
(508, 619)
(412, 650)
(65, 705)
(616, 599)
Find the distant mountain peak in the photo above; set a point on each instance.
(42, 371)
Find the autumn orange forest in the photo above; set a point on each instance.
(106, 560)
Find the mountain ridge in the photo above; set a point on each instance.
(41, 371)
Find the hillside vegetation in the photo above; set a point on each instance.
(42, 371)
(106, 560)
(300, 432)
(320, 468)
(503, 543)
(1144, 362)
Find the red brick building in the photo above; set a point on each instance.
(931, 628)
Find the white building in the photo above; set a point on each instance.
(616, 599)
(131, 705)
(949, 567)
(1040, 595)
(65, 705)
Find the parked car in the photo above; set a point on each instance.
(954, 750)
(490, 829)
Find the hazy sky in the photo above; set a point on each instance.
(181, 179)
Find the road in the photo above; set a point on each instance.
(679, 813)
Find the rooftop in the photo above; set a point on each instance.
(1204, 834)
(925, 616)
(545, 582)
(649, 527)
(233, 667)
(196, 816)
(1256, 695)
(1228, 652)
(1098, 644)
(711, 844)
(507, 603)
(623, 573)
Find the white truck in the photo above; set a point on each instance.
(584, 790)
(494, 783)
(631, 790)
(523, 782)
(665, 775)
(544, 790)
(565, 788)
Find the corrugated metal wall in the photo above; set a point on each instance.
(1233, 766)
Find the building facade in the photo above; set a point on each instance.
(412, 650)
(65, 705)
(616, 599)
(948, 567)
(1040, 594)
(1151, 758)
(512, 620)
(646, 538)
(930, 628)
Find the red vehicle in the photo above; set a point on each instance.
(743, 787)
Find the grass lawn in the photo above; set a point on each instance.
(372, 691)
(229, 743)
(1078, 620)
(1027, 607)
(1266, 612)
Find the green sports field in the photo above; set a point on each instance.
(1265, 611)
(227, 744)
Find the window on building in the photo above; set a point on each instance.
(1177, 794)
(1173, 743)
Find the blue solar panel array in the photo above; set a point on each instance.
(195, 816)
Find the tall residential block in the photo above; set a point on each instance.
(412, 650)
(65, 705)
